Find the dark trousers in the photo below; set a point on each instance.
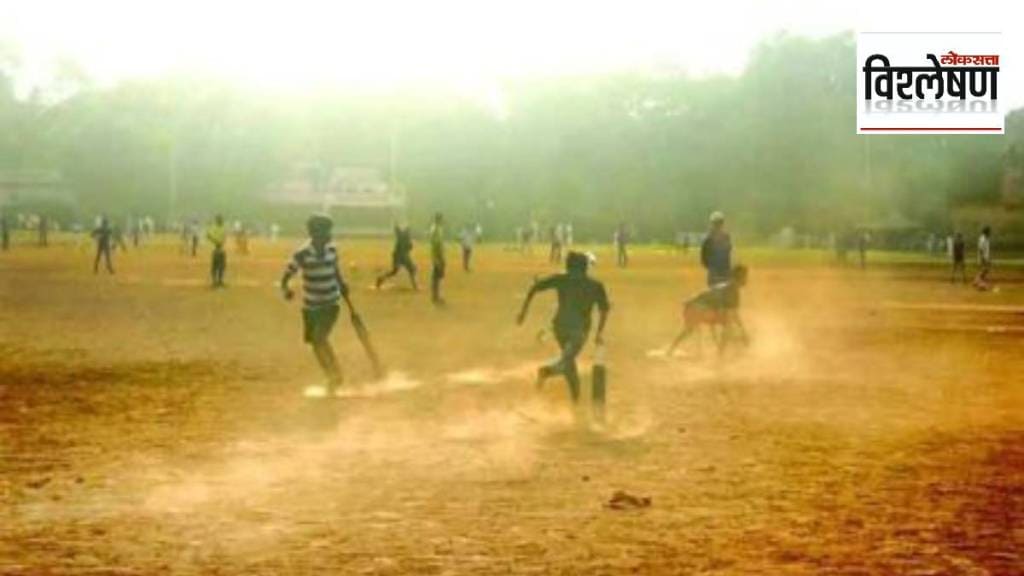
(571, 344)
(218, 265)
(467, 255)
(397, 263)
(436, 275)
(102, 251)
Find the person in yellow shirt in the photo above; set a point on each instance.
(217, 235)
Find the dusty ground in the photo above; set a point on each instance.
(150, 425)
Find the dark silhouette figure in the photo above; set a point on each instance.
(104, 238)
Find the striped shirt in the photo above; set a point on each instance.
(321, 278)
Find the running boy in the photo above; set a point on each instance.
(323, 287)
(219, 259)
(401, 257)
(717, 307)
(578, 294)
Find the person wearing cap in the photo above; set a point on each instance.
(716, 251)
(323, 287)
(578, 294)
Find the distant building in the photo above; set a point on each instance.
(34, 194)
(33, 189)
(360, 200)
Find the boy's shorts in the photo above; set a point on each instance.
(318, 322)
(438, 271)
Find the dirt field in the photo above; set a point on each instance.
(150, 425)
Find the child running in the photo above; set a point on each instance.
(716, 307)
(401, 257)
(578, 294)
(323, 287)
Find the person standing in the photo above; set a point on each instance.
(193, 231)
(863, 240)
(957, 252)
(557, 240)
(622, 245)
(984, 259)
(578, 294)
(716, 251)
(5, 233)
(44, 231)
(136, 231)
(401, 257)
(466, 239)
(217, 235)
(103, 234)
(437, 259)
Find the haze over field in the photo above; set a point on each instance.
(495, 112)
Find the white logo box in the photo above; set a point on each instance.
(946, 115)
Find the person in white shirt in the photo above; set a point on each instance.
(466, 240)
(984, 259)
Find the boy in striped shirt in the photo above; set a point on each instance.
(323, 287)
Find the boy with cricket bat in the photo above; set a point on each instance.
(323, 287)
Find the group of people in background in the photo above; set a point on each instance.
(559, 236)
(956, 247)
(578, 294)
(401, 254)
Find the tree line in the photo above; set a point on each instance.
(773, 147)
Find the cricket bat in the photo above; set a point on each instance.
(364, 338)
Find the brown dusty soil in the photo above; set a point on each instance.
(150, 425)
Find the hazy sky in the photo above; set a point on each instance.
(301, 43)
